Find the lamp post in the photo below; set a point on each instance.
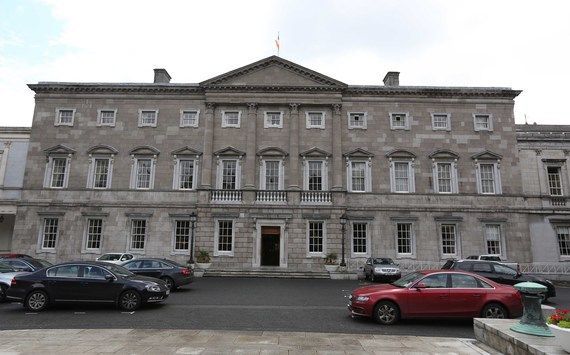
(193, 218)
(343, 225)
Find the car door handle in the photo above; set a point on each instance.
(476, 295)
(444, 296)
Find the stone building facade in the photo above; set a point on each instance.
(269, 156)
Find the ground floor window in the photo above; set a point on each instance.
(94, 233)
(404, 238)
(448, 239)
(359, 238)
(493, 238)
(316, 237)
(182, 235)
(138, 233)
(563, 235)
(225, 237)
(50, 233)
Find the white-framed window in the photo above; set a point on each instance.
(93, 234)
(100, 172)
(142, 173)
(49, 233)
(271, 174)
(185, 174)
(231, 119)
(315, 119)
(273, 119)
(357, 120)
(448, 237)
(563, 239)
(399, 120)
(316, 238)
(402, 176)
(360, 240)
(405, 239)
(315, 175)
(554, 180)
(488, 178)
(189, 118)
(224, 237)
(359, 176)
(493, 239)
(445, 177)
(182, 230)
(138, 234)
(482, 122)
(441, 121)
(229, 174)
(148, 118)
(106, 117)
(64, 116)
(57, 172)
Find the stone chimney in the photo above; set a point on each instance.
(161, 76)
(392, 78)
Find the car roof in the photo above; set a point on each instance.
(80, 262)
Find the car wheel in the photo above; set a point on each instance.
(129, 300)
(3, 289)
(169, 282)
(494, 310)
(386, 313)
(36, 301)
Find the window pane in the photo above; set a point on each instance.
(463, 281)
(554, 181)
(138, 233)
(273, 118)
(315, 118)
(563, 235)
(101, 173)
(315, 237)
(189, 118)
(404, 238)
(59, 167)
(94, 232)
(51, 227)
(359, 237)
(107, 117)
(65, 116)
(225, 235)
(493, 238)
(435, 281)
(357, 120)
(272, 175)
(398, 120)
(487, 178)
(182, 235)
(440, 121)
(444, 177)
(358, 176)
(401, 179)
(448, 238)
(315, 175)
(148, 117)
(186, 178)
(143, 173)
(482, 121)
(229, 174)
(232, 118)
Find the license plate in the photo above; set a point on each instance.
(167, 292)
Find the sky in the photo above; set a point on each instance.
(520, 44)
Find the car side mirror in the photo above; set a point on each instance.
(420, 285)
(110, 278)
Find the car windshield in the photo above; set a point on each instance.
(383, 261)
(43, 263)
(408, 279)
(119, 270)
(38, 264)
(5, 268)
(111, 257)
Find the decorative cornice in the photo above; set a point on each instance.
(144, 150)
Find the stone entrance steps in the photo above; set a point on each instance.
(267, 273)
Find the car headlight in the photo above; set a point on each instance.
(362, 298)
(548, 281)
(378, 269)
(153, 287)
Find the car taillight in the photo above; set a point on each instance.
(185, 271)
(13, 282)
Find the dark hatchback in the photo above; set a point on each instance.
(90, 282)
(499, 273)
(25, 263)
(172, 273)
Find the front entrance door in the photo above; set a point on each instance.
(270, 239)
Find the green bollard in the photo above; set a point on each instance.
(532, 321)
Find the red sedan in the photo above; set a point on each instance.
(434, 294)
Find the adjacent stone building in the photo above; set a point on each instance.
(269, 156)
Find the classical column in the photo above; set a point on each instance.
(206, 180)
(250, 169)
(294, 147)
(337, 166)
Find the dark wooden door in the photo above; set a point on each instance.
(270, 238)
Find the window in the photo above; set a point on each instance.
(224, 238)
(273, 119)
(64, 117)
(482, 122)
(185, 174)
(58, 172)
(440, 121)
(182, 235)
(357, 120)
(402, 176)
(359, 238)
(315, 175)
(501, 269)
(554, 180)
(231, 119)
(100, 178)
(404, 238)
(315, 119)
(399, 120)
(481, 267)
(138, 234)
(316, 237)
(464, 281)
(489, 181)
(563, 236)
(106, 117)
(434, 281)
(493, 239)
(229, 174)
(64, 271)
(359, 174)
(445, 178)
(148, 118)
(272, 174)
(448, 239)
(50, 232)
(189, 118)
(94, 233)
(94, 272)
(143, 173)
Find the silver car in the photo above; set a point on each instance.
(6, 276)
(381, 269)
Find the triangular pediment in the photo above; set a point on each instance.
(229, 151)
(359, 153)
(444, 154)
(273, 71)
(272, 152)
(315, 152)
(144, 150)
(186, 151)
(102, 149)
(487, 154)
(59, 149)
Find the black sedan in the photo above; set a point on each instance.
(172, 273)
(96, 282)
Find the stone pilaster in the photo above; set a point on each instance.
(294, 147)
(206, 180)
(337, 166)
(250, 168)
